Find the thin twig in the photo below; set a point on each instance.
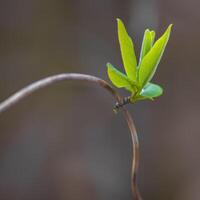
(136, 154)
(21, 94)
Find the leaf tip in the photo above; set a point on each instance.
(120, 24)
(108, 64)
(118, 20)
(147, 30)
(169, 28)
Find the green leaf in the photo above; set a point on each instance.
(151, 91)
(147, 43)
(127, 51)
(153, 34)
(119, 79)
(150, 62)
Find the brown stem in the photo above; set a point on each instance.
(136, 154)
(15, 98)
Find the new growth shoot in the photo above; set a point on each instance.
(138, 74)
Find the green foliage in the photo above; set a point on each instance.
(138, 77)
(127, 51)
(151, 90)
(147, 43)
(119, 79)
(150, 62)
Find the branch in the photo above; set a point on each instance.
(21, 94)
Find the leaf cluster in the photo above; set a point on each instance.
(138, 75)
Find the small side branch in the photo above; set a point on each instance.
(21, 94)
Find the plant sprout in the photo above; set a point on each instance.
(136, 81)
(138, 75)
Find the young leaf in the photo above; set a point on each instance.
(151, 90)
(153, 34)
(118, 79)
(127, 51)
(150, 62)
(147, 43)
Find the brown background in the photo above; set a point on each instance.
(64, 142)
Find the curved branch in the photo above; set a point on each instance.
(21, 94)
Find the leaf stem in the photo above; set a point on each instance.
(26, 91)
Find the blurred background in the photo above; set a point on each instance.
(64, 142)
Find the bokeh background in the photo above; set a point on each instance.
(64, 142)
